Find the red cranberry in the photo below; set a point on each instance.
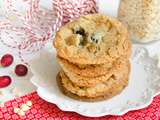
(4, 81)
(6, 60)
(21, 70)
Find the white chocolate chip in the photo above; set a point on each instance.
(16, 110)
(24, 107)
(97, 37)
(2, 104)
(29, 103)
(21, 113)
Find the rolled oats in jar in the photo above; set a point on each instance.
(142, 18)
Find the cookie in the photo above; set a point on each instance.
(112, 91)
(117, 72)
(91, 70)
(92, 39)
(99, 90)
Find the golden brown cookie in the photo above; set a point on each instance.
(117, 72)
(111, 85)
(111, 92)
(92, 39)
(91, 70)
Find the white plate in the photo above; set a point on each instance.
(144, 84)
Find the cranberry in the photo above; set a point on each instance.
(21, 70)
(4, 81)
(6, 60)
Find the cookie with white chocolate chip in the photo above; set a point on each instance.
(118, 72)
(99, 92)
(92, 39)
(92, 70)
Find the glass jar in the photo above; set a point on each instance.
(142, 18)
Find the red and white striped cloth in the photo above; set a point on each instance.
(71, 9)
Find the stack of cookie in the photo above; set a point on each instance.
(93, 52)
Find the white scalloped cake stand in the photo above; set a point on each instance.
(144, 84)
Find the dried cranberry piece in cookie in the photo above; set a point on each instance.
(80, 31)
(81, 35)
